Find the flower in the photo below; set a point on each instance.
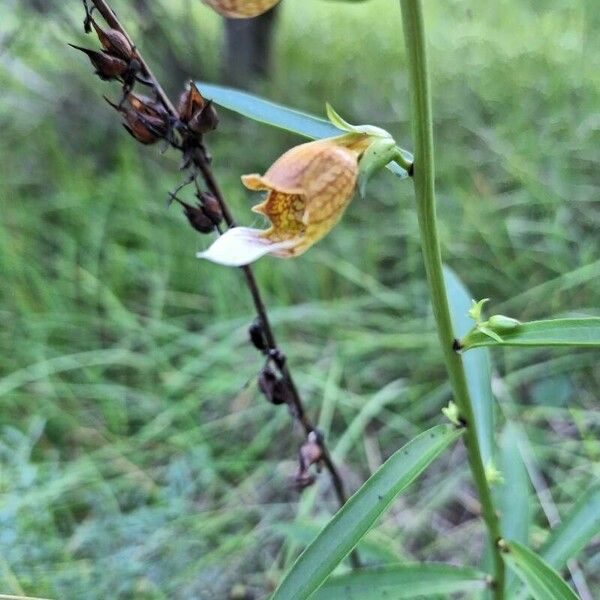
(308, 188)
(241, 9)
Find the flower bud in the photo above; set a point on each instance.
(502, 323)
(257, 336)
(241, 9)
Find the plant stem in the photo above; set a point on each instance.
(423, 178)
(278, 357)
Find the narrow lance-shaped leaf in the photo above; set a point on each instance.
(477, 366)
(579, 526)
(583, 332)
(361, 511)
(282, 117)
(401, 582)
(542, 581)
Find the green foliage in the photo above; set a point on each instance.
(542, 581)
(402, 582)
(361, 511)
(135, 462)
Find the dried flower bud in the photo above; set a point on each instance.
(311, 452)
(114, 42)
(271, 386)
(107, 67)
(211, 207)
(257, 336)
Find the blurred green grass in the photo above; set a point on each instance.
(138, 459)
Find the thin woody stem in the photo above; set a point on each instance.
(202, 162)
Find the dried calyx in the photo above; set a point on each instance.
(311, 453)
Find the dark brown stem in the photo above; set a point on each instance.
(201, 161)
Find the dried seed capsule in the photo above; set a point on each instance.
(190, 103)
(257, 336)
(271, 386)
(145, 128)
(211, 207)
(197, 219)
(114, 42)
(107, 67)
(204, 119)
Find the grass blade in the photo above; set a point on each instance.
(542, 581)
(267, 112)
(576, 530)
(477, 366)
(361, 511)
(514, 502)
(583, 332)
(402, 581)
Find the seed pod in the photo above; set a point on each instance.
(271, 386)
(107, 67)
(190, 103)
(146, 105)
(145, 128)
(204, 119)
(257, 336)
(211, 207)
(114, 42)
(197, 219)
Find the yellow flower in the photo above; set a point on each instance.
(241, 9)
(308, 188)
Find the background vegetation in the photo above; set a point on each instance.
(138, 459)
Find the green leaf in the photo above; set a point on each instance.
(359, 514)
(402, 581)
(514, 500)
(542, 581)
(553, 332)
(477, 365)
(576, 530)
(282, 117)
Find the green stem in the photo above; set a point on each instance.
(423, 177)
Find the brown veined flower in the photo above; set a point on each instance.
(241, 9)
(308, 189)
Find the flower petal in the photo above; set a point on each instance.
(240, 246)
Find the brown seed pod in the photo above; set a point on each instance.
(107, 67)
(114, 42)
(211, 207)
(204, 119)
(146, 105)
(191, 102)
(145, 128)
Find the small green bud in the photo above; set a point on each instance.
(476, 309)
(492, 474)
(502, 323)
(374, 158)
(452, 414)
